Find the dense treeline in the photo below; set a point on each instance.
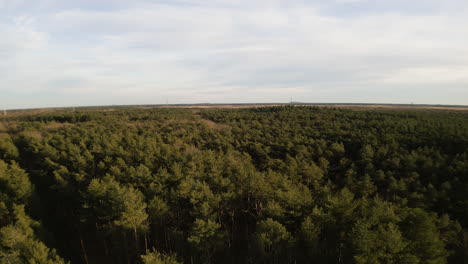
(268, 185)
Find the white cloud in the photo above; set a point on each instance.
(348, 1)
(192, 50)
(20, 35)
(434, 75)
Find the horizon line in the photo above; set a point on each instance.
(240, 104)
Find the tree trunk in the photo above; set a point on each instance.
(137, 247)
(146, 243)
(126, 247)
(83, 250)
(106, 247)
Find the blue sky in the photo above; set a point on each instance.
(88, 52)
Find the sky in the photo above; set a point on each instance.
(115, 52)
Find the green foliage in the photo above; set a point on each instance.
(266, 185)
(383, 243)
(15, 186)
(203, 232)
(8, 150)
(19, 245)
(155, 257)
(421, 230)
(271, 234)
(113, 204)
(309, 231)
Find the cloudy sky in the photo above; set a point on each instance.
(89, 52)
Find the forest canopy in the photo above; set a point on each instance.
(262, 185)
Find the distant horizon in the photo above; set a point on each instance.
(234, 104)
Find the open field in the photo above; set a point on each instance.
(397, 107)
(345, 106)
